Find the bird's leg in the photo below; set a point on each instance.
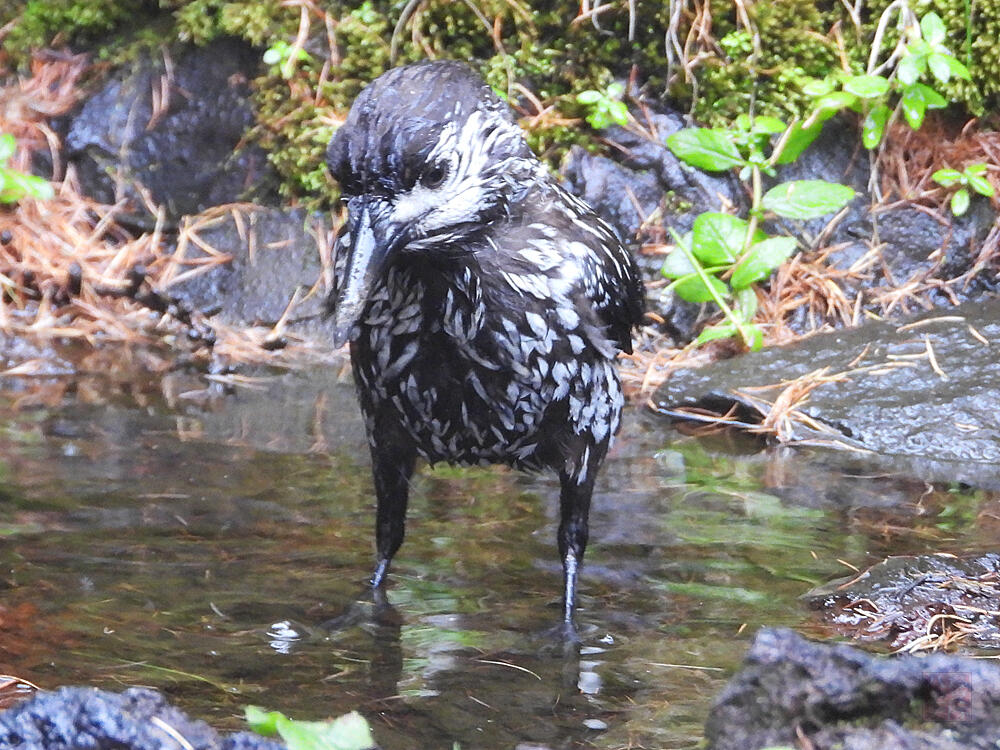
(392, 468)
(574, 501)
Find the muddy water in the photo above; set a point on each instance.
(215, 546)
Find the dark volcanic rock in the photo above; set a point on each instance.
(829, 697)
(171, 126)
(929, 389)
(645, 180)
(73, 718)
(624, 197)
(274, 255)
(915, 246)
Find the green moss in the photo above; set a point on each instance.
(972, 38)
(540, 48)
(791, 44)
(37, 23)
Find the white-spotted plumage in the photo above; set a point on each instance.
(484, 304)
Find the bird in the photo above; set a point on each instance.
(484, 305)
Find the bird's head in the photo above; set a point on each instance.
(427, 158)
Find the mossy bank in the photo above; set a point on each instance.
(718, 59)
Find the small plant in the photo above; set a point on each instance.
(349, 732)
(604, 108)
(286, 57)
(723, 256)
(16, 185)
(972, 177)
(876, 97)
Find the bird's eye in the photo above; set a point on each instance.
(434, 176)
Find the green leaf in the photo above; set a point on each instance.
(677, 263)
(818, 87)
(618, 112)
(761, 260)
(798, 141)
(7, 146)
(712, 150)
(589, 97)
(728, 330)
(978, 170)
(349, 732)
(914, 108)
(911, 68)
(806, 199)
(14, 186)
(712, 333)
(980, 184)
(919, 48)
(836, 101)
(960, 202)
(916, 100)
(932, 28)
(957, 68)
(947, 177)
(873, 127)
(718, 238)
(767, 124)
(867, 87)
(615, 90)
(746, 303)
(38, 188)
(939, 66)
(693, 289)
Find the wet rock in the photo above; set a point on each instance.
(797, 693)
(625, 198)
(928, 389)
(136, 719)
(914, 246)
(917, 602)
(170, 127)
(274, 258)
(646, 181)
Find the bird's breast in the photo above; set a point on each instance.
(474, 381)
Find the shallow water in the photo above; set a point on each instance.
(215, 546)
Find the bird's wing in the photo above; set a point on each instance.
(561, 240)
(613, 283)
(609, 277)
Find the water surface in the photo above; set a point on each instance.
(215, 545)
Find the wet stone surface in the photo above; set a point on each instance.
(215, 546)
(917, 602)
(926, 389)
(274, 266)
(171, 126)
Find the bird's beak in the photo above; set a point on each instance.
(374, 236)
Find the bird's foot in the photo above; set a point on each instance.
(371, 605)
(561, 641)
(566, 632)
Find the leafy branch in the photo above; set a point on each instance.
(723, 256)
(604, 108)
(972, 177)
(881, 98)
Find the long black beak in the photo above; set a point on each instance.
(373, 238)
